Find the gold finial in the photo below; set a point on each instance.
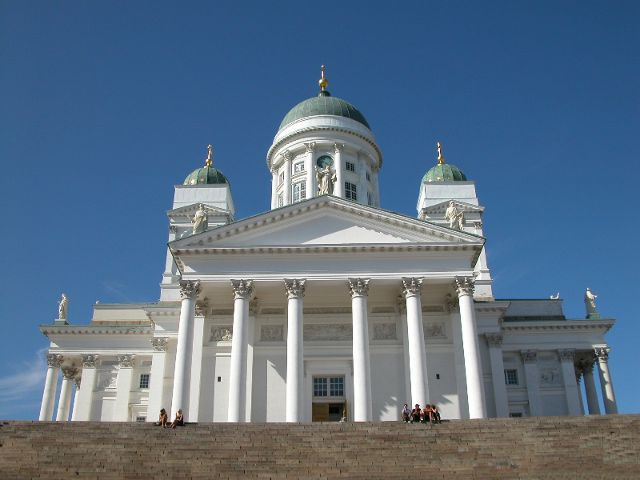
(440, 155)
(209, 161)
(323, 82)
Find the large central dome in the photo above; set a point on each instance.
(323, 104)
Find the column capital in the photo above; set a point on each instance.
(295, 287)
(464, 285)
(359, 287)
(90, 360)
(189, 289)
(529, 356)
(286, 155)
(338, 147)
(159, 344)
(242, 288)
(602, 353)
(253, 306)
(126, 361)
(411, 286)
(54, 360)
(309, 147)
(567, 354)
(494, 339)
(173, 229)
(69, 372)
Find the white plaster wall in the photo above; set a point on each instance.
(387, 383)
(443, 391)
(221, 389)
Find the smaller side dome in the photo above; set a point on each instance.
(206, 175)
(443, 172)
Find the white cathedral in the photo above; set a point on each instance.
(326, 307)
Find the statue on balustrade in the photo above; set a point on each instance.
(455, 216)
(200, 220)
(62, 307)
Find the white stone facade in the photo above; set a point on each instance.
(326, 307)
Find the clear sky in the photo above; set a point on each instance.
(106, 105)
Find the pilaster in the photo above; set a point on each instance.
(123, 388)
(86, 394)
(531, 373)
(572, 394)
(494, 340)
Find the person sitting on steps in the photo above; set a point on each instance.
(179, 420)
(406, 413)
(162, 421)
(427, 414)
(415, 414)
(435, 413)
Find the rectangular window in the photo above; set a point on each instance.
(350, 191)
(320, 387)
(510, 376)
(515, 414)
(368, 176)
(299, 191)
(336, 386)
(351, 167)
(144, 380)
(281, 177)
(141, 419)
(298, 167)
(280, 200)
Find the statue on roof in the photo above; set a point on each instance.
(455, 216)
(326, 178)
(200, 220)
(590, 304)
(62, 307)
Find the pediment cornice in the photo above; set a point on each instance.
(366, 214)
(188, 211)
(96, 330)
(565, 325)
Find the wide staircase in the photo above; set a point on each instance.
(533, 448)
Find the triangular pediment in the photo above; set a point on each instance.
(441, 208)
(188, 211)
(325, 221)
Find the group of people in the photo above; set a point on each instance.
(163, 421)
(428, 414)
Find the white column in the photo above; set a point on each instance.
(123, 388)
(50, 386)
(310, 171)
(242, 290)
(156, 378)
(417, 350)
(471, 348)
(68, 375)
(531, 375)
(294, 411)
(494, 340)
(189, 292)
(195, 376)
(287, 177)
(76, 396)
(274, 189)
(590, 388)
(362, 408)
(338, 188)
(363, 184)
(84, 398)
(606, 385)
(458, 356)
(571, 390)
(578, 372)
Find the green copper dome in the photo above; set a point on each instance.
(205, 176)
(323, 104)
(444, 173)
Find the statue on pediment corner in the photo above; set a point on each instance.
(62, 307)
(590, 303)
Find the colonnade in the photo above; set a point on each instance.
(358, 289)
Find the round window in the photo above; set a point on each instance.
(324, 160)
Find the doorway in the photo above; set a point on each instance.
(329, 402)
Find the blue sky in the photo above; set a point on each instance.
(106, 105)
